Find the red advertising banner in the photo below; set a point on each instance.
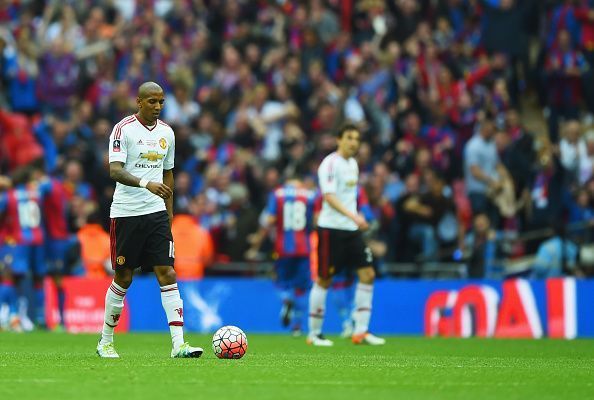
(84, 302)
(480, 310)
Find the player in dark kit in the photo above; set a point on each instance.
(141, 159)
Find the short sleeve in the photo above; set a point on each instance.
(117, 145)
(45, 187)
(271, 204)
(169, 162)
(327, 176)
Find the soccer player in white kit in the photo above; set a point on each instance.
(340, 240)
(141, 158)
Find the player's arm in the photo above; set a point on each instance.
(119, 174)
(336, 204)
(257, 238)
(267, 220)
(169, 182)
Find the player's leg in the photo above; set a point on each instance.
(299, 311)
(17, 260)
(300, 285)
(39, 269)
(56, 251)
(363, 301)
(362, 310)
(319, 291)
(317, 310)
(172, 303)
(284, 269)
(124, 245)
(114, 305)
(342, 296)
(174, 310)
(8, 293)
(159, 251)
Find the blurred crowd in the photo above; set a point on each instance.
(256, 89)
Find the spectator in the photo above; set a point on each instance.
(555, 256)
(194, 249)
(273, 81)
(22, 71)
(570, 148)
(480, 170)
(585, 158)
(481, 247)
(94, 244)
(564, 67)
(180, 108)
(58, 77)
(581, 215)
(548, 196)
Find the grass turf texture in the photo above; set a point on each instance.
(61, 366)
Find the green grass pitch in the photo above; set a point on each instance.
(61, 366)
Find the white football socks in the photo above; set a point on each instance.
(174, 309)
(114, 303)
(362, 312)
(317, 306)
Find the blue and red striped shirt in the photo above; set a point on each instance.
(55, 210)
(293, 208)
(22, 207)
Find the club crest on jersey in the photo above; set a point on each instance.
(151, 156)
(121, 260)
(116, 146)
(163, 143)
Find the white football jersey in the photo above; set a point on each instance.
(145, 153)
(339, 176)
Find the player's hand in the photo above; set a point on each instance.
(361, 223)
(160, 189)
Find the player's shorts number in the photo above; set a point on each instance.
(29, 214)
(171, 249)
(294, 216)
(368, 255)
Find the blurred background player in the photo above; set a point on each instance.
(8, 297)
(340, 240)
(59, 241)
(289, 214)
(24, 237)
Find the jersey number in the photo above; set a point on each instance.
(294, 218)
(368, 255)
(29, 214)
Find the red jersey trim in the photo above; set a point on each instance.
(163, 123)
(118, 133)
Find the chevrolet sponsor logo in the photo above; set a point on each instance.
(152, 156)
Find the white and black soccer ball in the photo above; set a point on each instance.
(229, 342)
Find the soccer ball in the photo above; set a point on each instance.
(229, 342)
